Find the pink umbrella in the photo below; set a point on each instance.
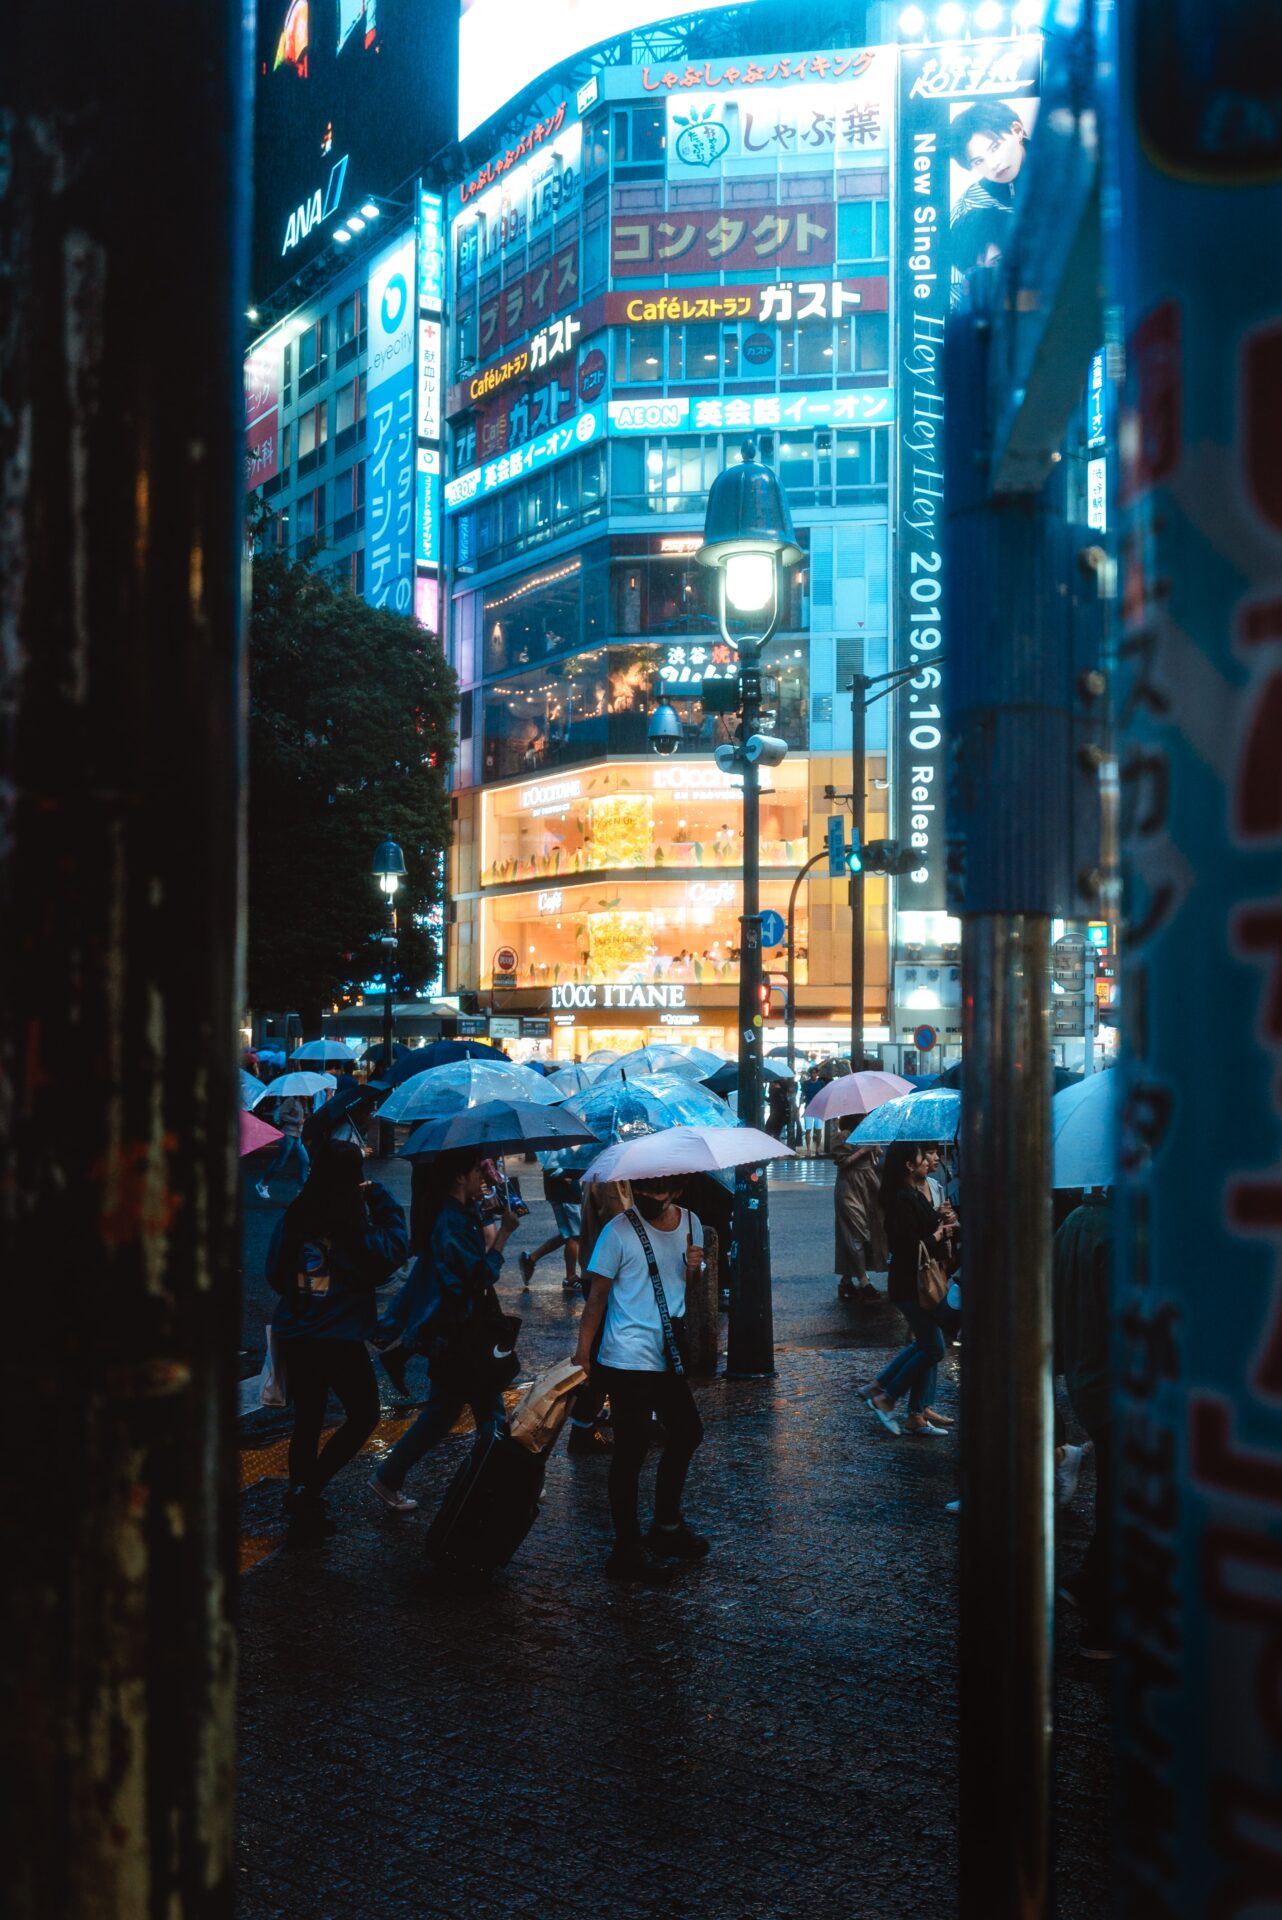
(856, 1093)
(255, 1133)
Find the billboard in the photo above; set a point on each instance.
(836, 107)
(500, 53)
(263, 368)
(964, 117)
(716, 239)
(350, 96)
(390, 467)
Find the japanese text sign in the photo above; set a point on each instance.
(777, 302)
(389, 494)
(431, 251)
(859, 407)
(734, 130)
(523, 461)
(713, 239)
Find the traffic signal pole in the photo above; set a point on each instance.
(859, 807)
(750, 1347)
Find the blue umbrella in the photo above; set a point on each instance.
(930, 1115)
(1084, 1125)
(494, 1127)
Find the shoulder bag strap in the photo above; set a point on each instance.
(665, 1318)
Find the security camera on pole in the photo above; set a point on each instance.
(748, 538)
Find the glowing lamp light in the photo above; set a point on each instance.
(356, 224)
(342, 237)
(951, 19)
(988, 16)
(912, 22)
(388, 867)
(370, 210)
(750, 581)
(1030, 13)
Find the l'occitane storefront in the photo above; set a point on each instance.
(608, 899)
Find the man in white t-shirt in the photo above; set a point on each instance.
(636, 1365)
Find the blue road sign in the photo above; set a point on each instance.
(836, 845)
(773, 928)
(924, 1039)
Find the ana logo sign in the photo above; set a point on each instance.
(321, 207)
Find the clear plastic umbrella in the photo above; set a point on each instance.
(618, 1110)
(460, 1084)
(692, 1063)
(689, 1103)
(572, 1078)
(932, 1115)
(323, 1053)
(601, 1056)
(298, 1085)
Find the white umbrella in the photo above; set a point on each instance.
(686, 1150)
(441, 1091)
(692, 1063)
(298, 1084)
(856, 1093)
(324, 1051)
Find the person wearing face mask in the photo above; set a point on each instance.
(637, 1277)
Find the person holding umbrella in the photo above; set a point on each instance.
(860, 1236)
(452, 1287)
(913, 1227)
(637, 1278)
(339, 1240)
(290, 1117)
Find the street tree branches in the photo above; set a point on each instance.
(351, 728)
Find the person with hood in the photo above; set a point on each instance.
(861, 1238)
(338, 1241)
(448, 1309)
(642, 1257)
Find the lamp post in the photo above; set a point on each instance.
(748, 538)
(388, 868)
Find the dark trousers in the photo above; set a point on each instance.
(1093, 1584)
(312, 1368)
(634, 1399)
(450, 1392)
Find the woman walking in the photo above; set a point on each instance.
(861, 1238)
(339, 1240)
(915, 1230)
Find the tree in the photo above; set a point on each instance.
(351, 729)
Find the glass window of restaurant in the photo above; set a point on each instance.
(673, 814)
(681, 931)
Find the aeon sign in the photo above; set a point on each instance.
(584, 999)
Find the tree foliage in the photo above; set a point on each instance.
(351, 728)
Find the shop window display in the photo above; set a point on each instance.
(682, 932)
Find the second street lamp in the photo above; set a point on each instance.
(388, 868)
(748, 537)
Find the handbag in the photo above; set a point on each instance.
(672, 1341)
(932, 1281)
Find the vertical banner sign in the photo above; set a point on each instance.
(427, 550)
(429, 379)
(431, 251)
(1197, 1396)
(389, 477)
(964, 117)
(262, 412)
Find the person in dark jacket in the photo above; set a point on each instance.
(1082, 1277)
(912, 1223)
(449, 1308)
(339, 1240)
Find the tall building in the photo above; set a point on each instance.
(700, 231)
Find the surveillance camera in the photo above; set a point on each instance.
(665, 744)
(665, 731)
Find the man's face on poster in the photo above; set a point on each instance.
(996, 157)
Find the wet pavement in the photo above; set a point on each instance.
(771, 1737)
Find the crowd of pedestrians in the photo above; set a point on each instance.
(632, 1251)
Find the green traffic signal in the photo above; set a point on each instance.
(854, 859)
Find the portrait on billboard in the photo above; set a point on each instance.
(987, 147)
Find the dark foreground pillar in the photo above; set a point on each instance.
(122, 220)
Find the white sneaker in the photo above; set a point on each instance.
(1068, 1472)
(260, 1188)
(391, 1497)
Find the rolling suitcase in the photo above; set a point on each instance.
(489, 1506)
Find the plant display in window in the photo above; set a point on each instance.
(621, 833)
(618, 944)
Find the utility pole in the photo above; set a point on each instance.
(750, 1346)
(123, 227)
(858, 805)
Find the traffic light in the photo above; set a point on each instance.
(854, 853)
(887, 856)
(762, 1015)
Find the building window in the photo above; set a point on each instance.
(865, 343)
(309, 516)
(808, 349)
(313, 432)
(863, 230)
(638, 355)
(640, 137)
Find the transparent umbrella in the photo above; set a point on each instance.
(618, 1110)
(692, 1063)
(689, 1103)
(572, 1078)
(324, 1053)
(453, 1088)
(300, 1085)
(930, 1115)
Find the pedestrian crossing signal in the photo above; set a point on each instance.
(854, 853)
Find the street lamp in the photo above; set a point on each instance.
(748, 537)
(388, 868)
